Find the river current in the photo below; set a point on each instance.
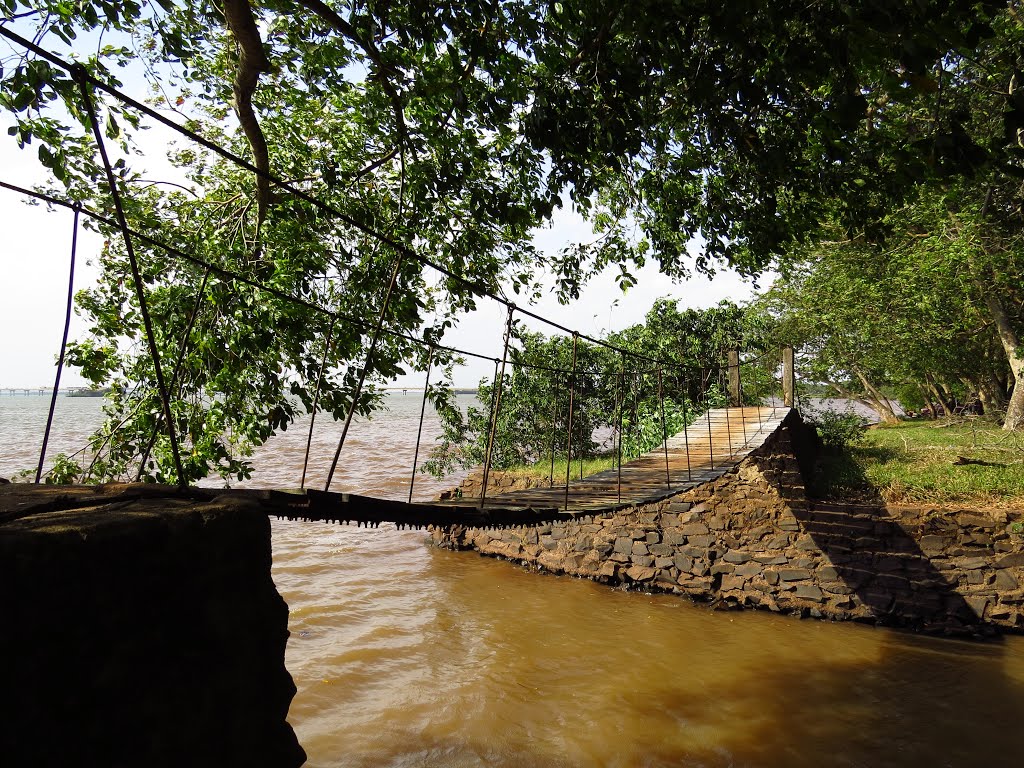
(404, 655)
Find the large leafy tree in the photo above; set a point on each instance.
(744, 123)
(931, 296)
(405, 134)
(530, 412)
(915, 314)
(454, 128)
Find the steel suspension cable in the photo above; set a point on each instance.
(419, 431)
(405, 251)
(728, 426)
(581, 388)
(554, 430)
(664, 430)
(760, 425)
(316, 399)
(234, 276)
(475, 288)
(732, 373)
(498, 384)
(739, 390)
(367, 365)
(63, 345)
(635, 386)
(175, 388)
(79, 74)
(620, 397)
(490, 416)
(686, 426)
(568, 450)
(711, 437)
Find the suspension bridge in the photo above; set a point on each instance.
(720, 441)
(713, 440)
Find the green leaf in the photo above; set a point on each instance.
(23, 98)
(113, 130)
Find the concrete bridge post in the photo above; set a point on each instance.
(734, 378)
(788, 377)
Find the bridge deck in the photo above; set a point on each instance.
(708, 448)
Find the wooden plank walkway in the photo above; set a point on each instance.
(711, 446)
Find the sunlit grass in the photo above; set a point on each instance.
(542, 470)
(930, 462)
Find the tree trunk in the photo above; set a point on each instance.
(927, 398)
(252, 60)
(939, 397)
(846, 394)
(1012, 348)
(1015, 409)
(950, 395)
(992, 396)
(879, 402)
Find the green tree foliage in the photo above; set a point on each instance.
(616, 397)
(928, 304)
(839, 430)
(697, 340)
(434, 160)
(909, 316)
(533, 411)
(455, 128)
(745, 122)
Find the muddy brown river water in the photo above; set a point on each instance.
(404, 655)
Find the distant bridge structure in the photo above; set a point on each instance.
(42, 390)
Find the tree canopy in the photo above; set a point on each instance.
(930, 317)
(929, 302)
(458, 128)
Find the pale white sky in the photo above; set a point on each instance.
(35, 247)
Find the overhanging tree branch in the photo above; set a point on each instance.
(346, 30)
(252, 61)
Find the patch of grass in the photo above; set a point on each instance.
(929, 462)
(542, 470)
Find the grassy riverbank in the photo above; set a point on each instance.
(967, 462)
(542, 471)
(970, 462)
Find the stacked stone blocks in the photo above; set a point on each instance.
(752, 539)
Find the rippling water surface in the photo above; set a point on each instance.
(408, 656)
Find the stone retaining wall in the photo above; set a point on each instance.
(498, 481)
(140, 630)
(752, 539)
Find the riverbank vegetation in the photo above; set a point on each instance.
(540, 472)
(968, 461)
(562, 396)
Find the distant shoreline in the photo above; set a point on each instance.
(40, 391)
(89, 392)
(456, 390)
